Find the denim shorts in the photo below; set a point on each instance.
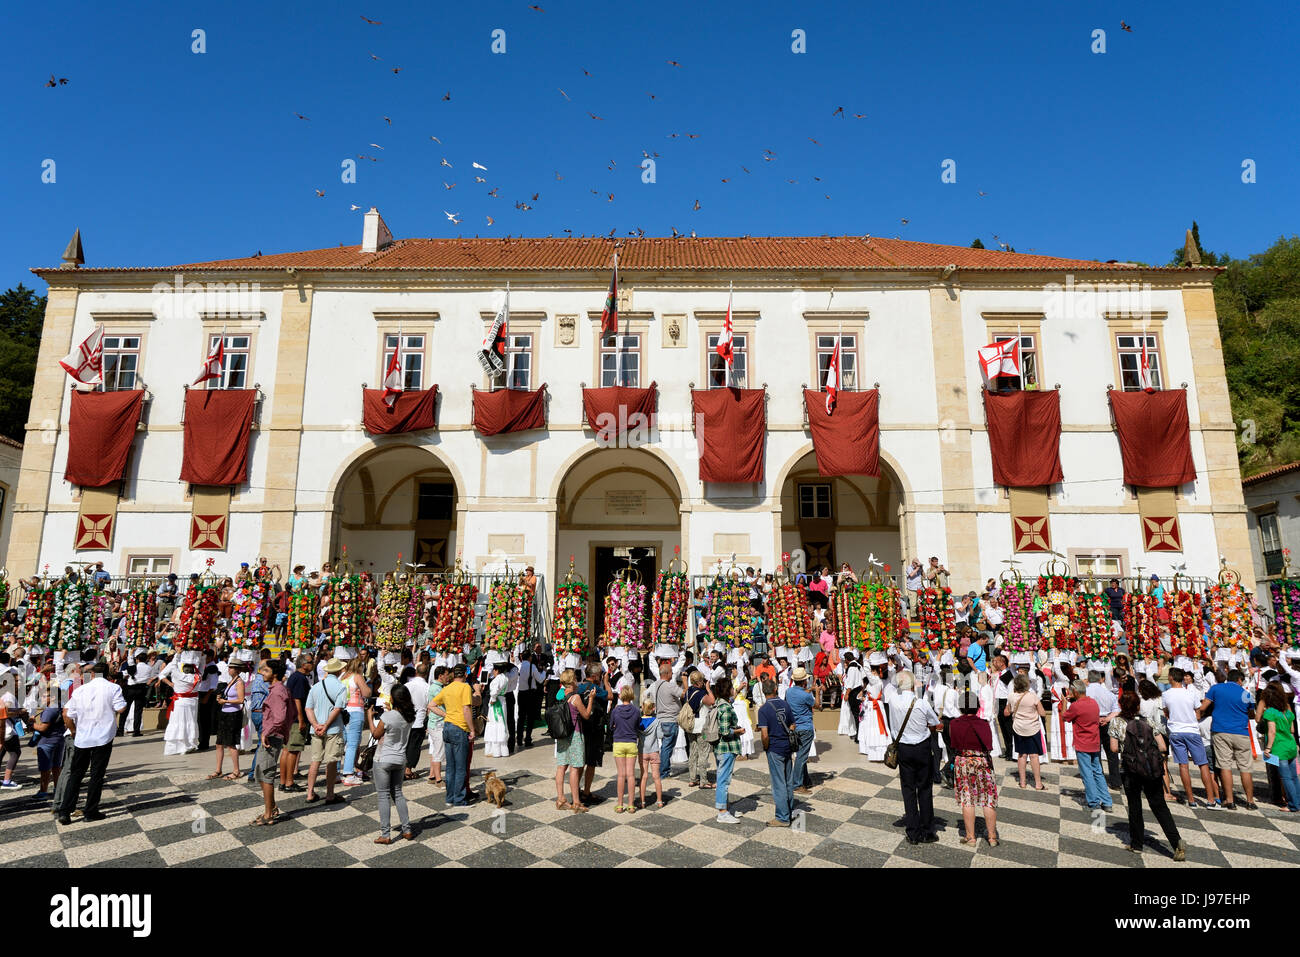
(1186, 743)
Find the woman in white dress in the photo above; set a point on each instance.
(496, 738)
(743, 722)
(1061, 732)
(851, 680)
(182, 677)
(873, 729)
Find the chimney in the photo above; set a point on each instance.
(73, 256)
(375, 235)
(1191, 255)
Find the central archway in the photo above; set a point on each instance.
(616, 508)
(396, 499)
(843, 518)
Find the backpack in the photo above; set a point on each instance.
(686, 718)
(711, 733)
(1140, 754)
(559, 719)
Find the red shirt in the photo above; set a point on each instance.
(1084, 714)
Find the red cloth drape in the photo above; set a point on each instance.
(621, 404)
(101, 426)
(1155, 439)
(730, 439)
(846, 442)
(218, 424)
(1025, 437)
(411, 412)
(509, 410)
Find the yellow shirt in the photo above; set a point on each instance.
(453, 699)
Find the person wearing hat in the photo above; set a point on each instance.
(166, 595)
(801, 702)
(326, 705)
(911, 723)
(850, 691)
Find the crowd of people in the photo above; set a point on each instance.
(361, 714)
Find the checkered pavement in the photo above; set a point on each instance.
(163, 812)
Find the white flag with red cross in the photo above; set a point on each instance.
(833, 378)
(1000, 358)
(86, 362)
(213, 363)
(393, 374)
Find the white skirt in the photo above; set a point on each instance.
(182, 727)
(846, 719)
(496, 738)
(871, 740)
(1061, 743)
(680, 755)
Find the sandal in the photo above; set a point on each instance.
(708, 787)
(232, 776)
(579, 808)
(970, 841)
(618, 809)
(631, 810)
(336, 799)
(214, 775)
(993, 841)
(261, 821)
(561, 806)
(1040, 787)
(313, 799)
(659, 804)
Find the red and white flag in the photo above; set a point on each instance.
(1144, 369)
(1000, 358)
(213, 363)
(833, 378)
(86, 362)
(393, 374)
(724, 346)
(609, 315)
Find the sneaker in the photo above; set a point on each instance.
(775, 823)
(352, 780)
(42, 795)
(1180, 852)
(726, 817)
(10, 785)
(1229, 807)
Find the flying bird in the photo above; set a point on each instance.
(61, 81)
(451, 216)
(744, 168)
(692, 136)
(651, 95)
(813, 141)
(436, 140)
(494, 191)
(491, 221)
(376, 146)
(1125, 27)
(586, 72)
(611, 165)
(536, 7)
(838, 112)
(558, 177)
(903, 221)
(595, 192)
(373, 57)
(594, 116)
(373, 23)
(479, 179)
(673, 63)
(445, 163)
(479, 166)
(982, 193)
(563, 94)
(396, 70)
(446, 185)
(859, 116)
(355, 207)
(696, 207)
(675, 233)
(673, 136)
(446, 96)
(793, 182)
(388, 121)
(320, 192)
(535, 195)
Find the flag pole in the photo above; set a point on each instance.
(731, 368)
(1020, 359)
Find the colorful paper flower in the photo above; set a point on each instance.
(571, 605)
(672, 602)
(454, 626)
(1092, 625)
(1286, 609)
(1057, 613)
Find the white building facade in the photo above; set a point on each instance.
(309, 329)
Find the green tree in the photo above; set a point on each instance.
(22, 313)
(978, 244)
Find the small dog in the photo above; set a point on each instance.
(494, 788)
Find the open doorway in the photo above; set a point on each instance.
(608, 561)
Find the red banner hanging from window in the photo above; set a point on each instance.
(218, 425)
(612, 411)
(1155, 438)
(509, 410)
(101, 427)
(1024, 437)
(846, 442)
(412, 412)
(732, 434)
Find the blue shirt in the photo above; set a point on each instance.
(979, 658)
(778, 742)
(258, 690)
(1232, 707)
(801, 707)
(324, 698)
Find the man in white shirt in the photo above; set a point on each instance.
(1181, 702)
(943, 698)
(138, 673)
(512, 686)
(418, 685)
(911, 723)
(1107, 707)
(91, 714)
(1000, 676)
(531, 683)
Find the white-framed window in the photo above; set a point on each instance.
(121, 362)
(1100, 565)
(410, 357)
(739, 362)
(620, 360)
(848, 360)
(815, 500)
(148, 564)
(1270, 540)
(234, 367)
(1028, 363)
(519, 362)
(1129, 347)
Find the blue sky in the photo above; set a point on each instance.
(166, 156)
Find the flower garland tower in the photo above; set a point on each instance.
(670, 608)
(572, 603)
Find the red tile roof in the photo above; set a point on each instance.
(1271, 473)
(744, 253)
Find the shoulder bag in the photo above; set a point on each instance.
(891, 752)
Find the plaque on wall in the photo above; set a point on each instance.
(625, 502)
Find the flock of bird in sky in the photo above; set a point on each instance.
(527, 205)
